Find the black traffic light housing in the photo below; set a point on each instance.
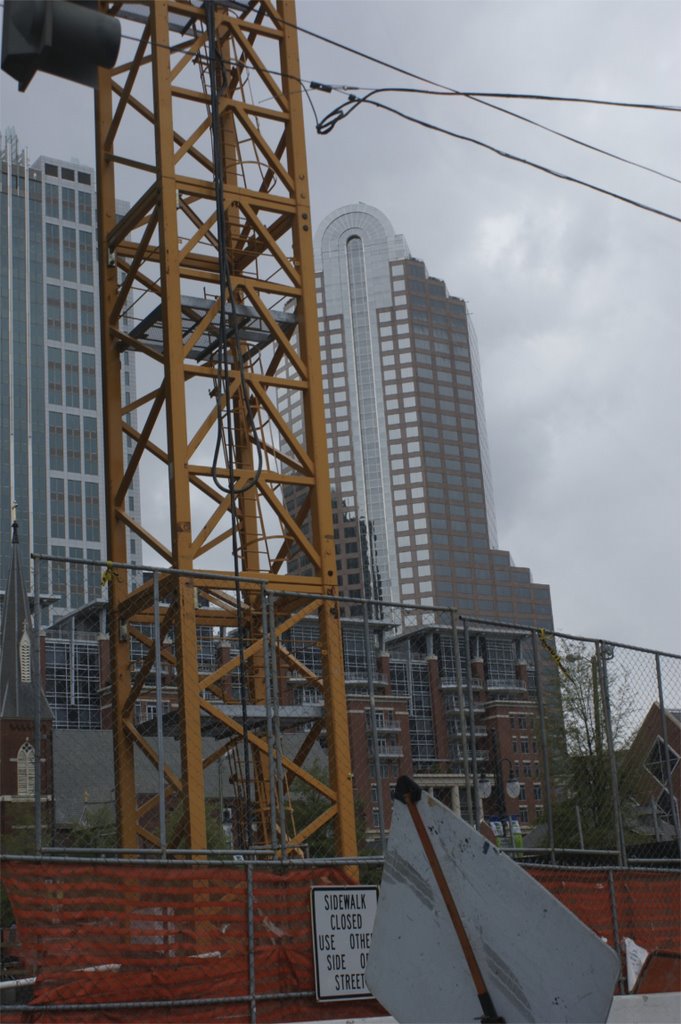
(66, 38)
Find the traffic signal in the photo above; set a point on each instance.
(66, 38)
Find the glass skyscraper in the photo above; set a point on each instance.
(51, 442)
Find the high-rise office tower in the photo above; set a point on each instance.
(51, 444)
(414, 525)
(406, 431)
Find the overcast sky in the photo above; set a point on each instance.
(575, 296)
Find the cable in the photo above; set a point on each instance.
(666, 108)
(442, 90)
(553, 131)
(223, 373)
(338, 115)
(669, 108)
(477, 97)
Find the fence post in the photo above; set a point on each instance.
(614, 783)
(374, 728)
(615, 926)
(267, 665)
(274, 687)
(251, 944)
(667, 762)
(471, 719)
(37, 738)
(462, 713)
(548, 801)
(163, 839)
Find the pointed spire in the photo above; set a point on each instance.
(17, 681)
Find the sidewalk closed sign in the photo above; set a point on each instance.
(342, 923)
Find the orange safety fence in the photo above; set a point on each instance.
(135, 933)
(97, 934)
(646, 902)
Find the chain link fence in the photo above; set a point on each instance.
(567, 747)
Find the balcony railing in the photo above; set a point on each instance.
(388, 753)
(449, 684)
(392, 728)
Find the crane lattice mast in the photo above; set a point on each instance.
(207, 277)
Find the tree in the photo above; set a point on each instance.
(598, 705)
(96, 830)
(307, 804)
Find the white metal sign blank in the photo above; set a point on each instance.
(539, 962)
(342, 922)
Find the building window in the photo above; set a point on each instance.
(53, 313)
(52, 249)
(84, 208)
(72, 388)
(69, 265)
(87, 318)
(94, 575)
(68, 204)
(57, 510)
(92, 511)
(51, 200)
(77, 594)
(72, 672)
(54, 391)
(56, 441)
(90, 445)
(89, 381)
(70, 315)
(85, 245)
(537, 790)
(73, 462)
(656, 762)
(26, 770)
(75, 510)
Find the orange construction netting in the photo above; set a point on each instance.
(171, 942)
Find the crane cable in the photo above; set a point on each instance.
(224, 415)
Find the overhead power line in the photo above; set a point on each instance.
(553, 131)
(477, 97)
(664, 107)
(494, 149)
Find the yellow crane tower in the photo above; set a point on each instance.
(207, 277)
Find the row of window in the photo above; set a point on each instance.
(71, 378)
(68, 250)
(70, 315)
(72, 202)
(67, 174)
(74, 449)
(69, 499)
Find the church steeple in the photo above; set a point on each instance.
(17, 671)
